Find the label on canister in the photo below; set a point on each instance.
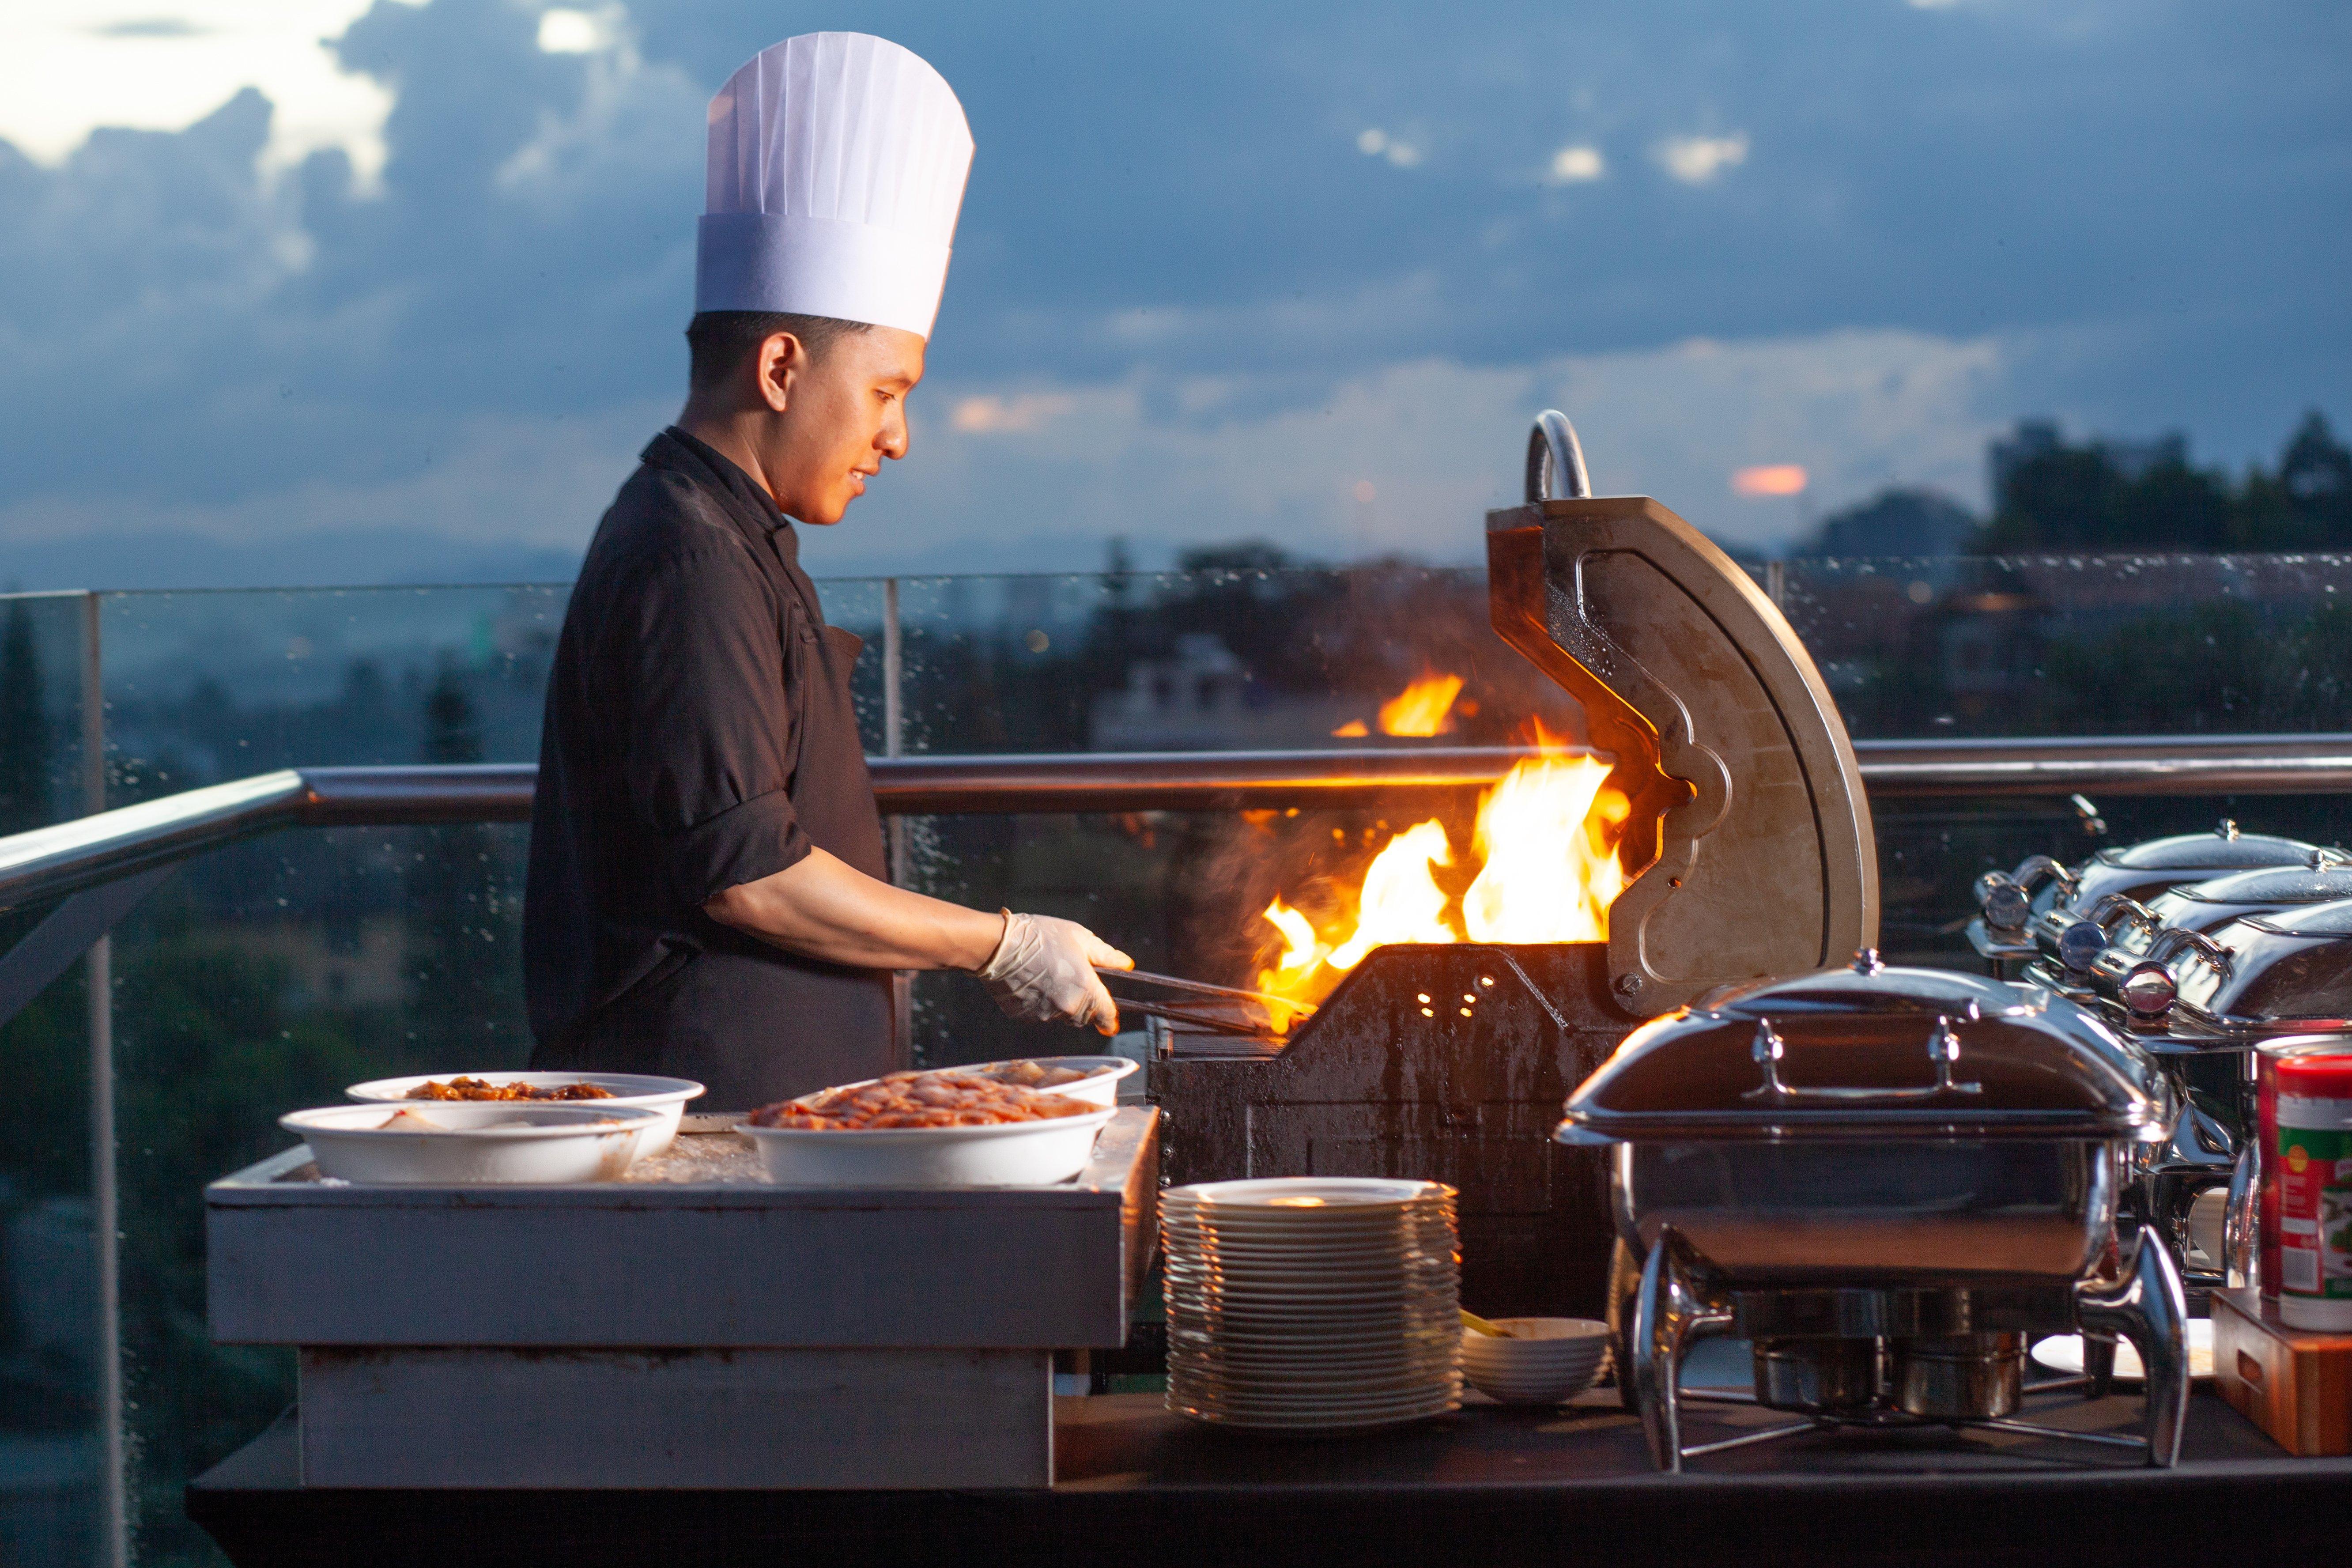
(2314, 1186)
(2266, 1144)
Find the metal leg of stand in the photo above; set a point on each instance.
(2148, 1307)
(1667, 1315)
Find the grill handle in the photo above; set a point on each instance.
(1556, 459)
(1943, 1050)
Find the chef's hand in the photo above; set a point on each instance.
(1044, 971)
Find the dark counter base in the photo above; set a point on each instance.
(1485, 1488)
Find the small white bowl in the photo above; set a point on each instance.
(1006, 1155)
(475, 1143)
(638, 1090)
(1099, 1086)
(1546, 1362)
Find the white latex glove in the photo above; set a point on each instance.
(1044, 971)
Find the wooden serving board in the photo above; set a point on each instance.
(2294, 1384)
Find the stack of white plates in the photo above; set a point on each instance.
(1311, 1303)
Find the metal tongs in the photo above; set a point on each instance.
(1227, 1009)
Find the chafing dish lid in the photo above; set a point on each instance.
(2223, 849)
(1872, 1052)
(2290, 964)
(2276, 885)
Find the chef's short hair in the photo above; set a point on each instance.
(718, 341)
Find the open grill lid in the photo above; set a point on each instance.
(1745, 792)
(1872, 1052)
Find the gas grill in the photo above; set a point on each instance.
(1755, 857)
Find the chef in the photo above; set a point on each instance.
(708, 897)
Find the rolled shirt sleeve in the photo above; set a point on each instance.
(706, 723)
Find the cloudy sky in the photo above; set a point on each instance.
(318, 288)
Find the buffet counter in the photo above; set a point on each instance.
(1488, 1486)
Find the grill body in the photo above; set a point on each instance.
(1380, 1082)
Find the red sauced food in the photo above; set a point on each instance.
(478, 1088)
(942, 1098)
(1030, 1073)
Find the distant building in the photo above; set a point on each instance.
(1898, 522)
(1202, 698)
(2004, 455)
(2034, 438)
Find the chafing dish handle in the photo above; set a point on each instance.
(1943, 1050)
(2148, 1307)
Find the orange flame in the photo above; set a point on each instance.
(1545, 840)
(1547, 834)
(1424, 707)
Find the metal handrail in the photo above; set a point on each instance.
(53, 862)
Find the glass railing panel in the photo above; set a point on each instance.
(42, 642)
(1227, 660)
(270, 975)
(52, 1458)
(202, 687)
(2081, 645)
(51, 1455)
(261, 979)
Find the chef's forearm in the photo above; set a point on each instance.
(823, 908)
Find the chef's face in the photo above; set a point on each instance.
(840, 414)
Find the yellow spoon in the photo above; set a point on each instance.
(1478, 1325)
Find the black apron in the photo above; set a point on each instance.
(699, 734)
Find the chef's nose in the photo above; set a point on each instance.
(892, 439)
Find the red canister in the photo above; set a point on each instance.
(2266, 1141)
(2313, 1160)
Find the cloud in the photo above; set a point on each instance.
(1576, 162)
(1409, 457)
(565, 31)
(68, 67)
(212, 317)
(987, 414)
(1696, 160)
(1375, 142)
(150, 28)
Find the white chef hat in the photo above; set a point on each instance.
(837, 163)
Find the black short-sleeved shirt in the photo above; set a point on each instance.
(699, 735)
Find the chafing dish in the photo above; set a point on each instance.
(2131, 959)
(2204, 907)
(2028, 911)
(1887, 1180)
(2248, 979)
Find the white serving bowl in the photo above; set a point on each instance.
(1546, 1362)
(1008, 1154)
(475, 1143)
(1099, 1086)
(638, 1090)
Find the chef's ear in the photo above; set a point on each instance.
(782, 360)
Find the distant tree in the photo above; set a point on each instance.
(2099, 495)
(2307, 504)
(453, 732)
(26, 747)
(2072, 497)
